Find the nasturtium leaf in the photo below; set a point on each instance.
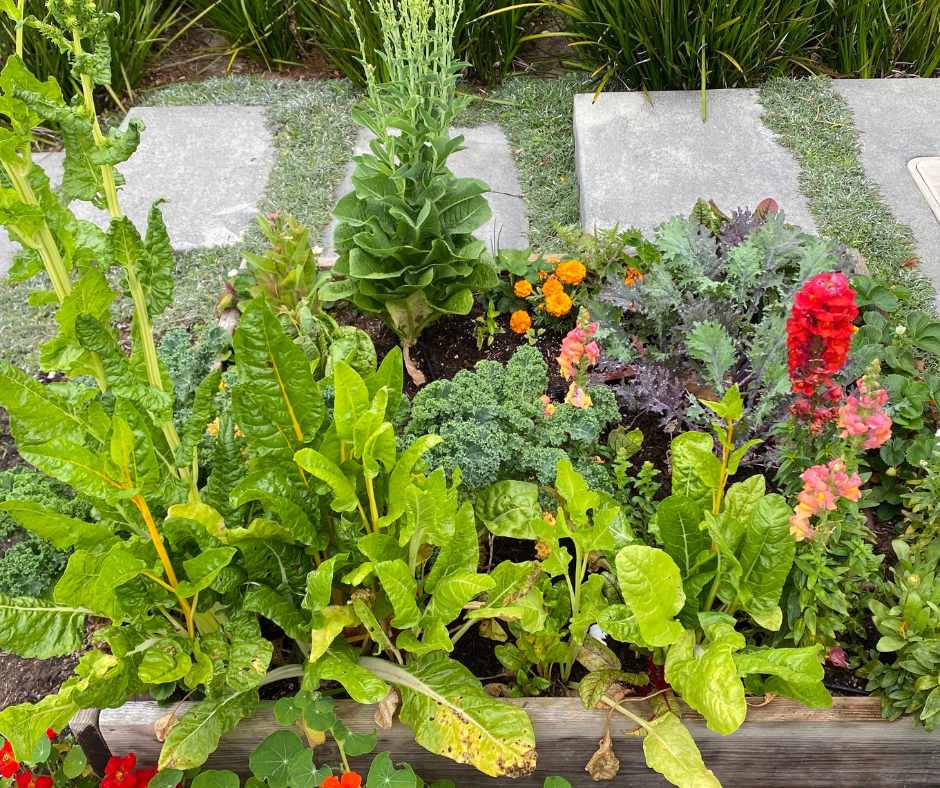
(506, 508)
(679, 518)
(383, 774)
(303, 772)
(211, 778)
(706, 676)
(451, 715)
(652, 587)
(196, 736)
(75, 762)
(318, 714)
(670, 750)
(166, 778)
(272, 758)
(354, 743)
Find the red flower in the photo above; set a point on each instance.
(51, 734)
(820, 331)
(348, 780)
(119, 773)
(8, 764)
(143, 777)
(27, 780)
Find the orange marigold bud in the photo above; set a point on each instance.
(520, 322)
(523, 288)
(571, 272)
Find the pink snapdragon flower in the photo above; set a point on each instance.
(823, 487)
(579, 344)
(863, 416)
(578, 397)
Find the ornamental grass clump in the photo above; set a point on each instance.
(405, 236)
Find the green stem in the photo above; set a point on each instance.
(713, 592)
(342, 753)
(21, 7)
(141, 312)
(373, 509)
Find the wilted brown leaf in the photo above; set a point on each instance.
(497, 690)
(911, 262)
(314, 737)
(604, 764)
(163, 726)
(385, 711)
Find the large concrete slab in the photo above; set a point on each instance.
(211, 165)
(640, 163)
(926, 173)
(487, 156)
(899, 120)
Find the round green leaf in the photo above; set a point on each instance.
(272, 759)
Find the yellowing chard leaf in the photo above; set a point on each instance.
(670, 750)
(452, 716)
(652, 587)
(706, 676)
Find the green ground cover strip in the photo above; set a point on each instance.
(818, 127)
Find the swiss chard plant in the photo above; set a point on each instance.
(405, 234)
(723, 558)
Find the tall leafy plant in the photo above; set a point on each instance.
(407, 253)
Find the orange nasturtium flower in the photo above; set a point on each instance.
(558, 304)
(572, 272)
(520, 322)
(348, 780)
(523, 288)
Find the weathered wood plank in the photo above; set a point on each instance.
(781, 745)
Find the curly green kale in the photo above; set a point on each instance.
(25, 484)
(493, 424)
(29, 568)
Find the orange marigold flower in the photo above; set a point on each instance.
(520, 322)
(552, 287)
(558, 304)
(348, 780)
(572, 272)
(523, 288)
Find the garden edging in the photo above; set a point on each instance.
(781, 744)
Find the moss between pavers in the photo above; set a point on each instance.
(818, 127)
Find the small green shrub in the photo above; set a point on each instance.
(493, 424)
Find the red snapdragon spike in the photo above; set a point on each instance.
(119, 772)
(8, 764)
(819, 331)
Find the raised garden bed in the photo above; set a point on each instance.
(782, 744)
